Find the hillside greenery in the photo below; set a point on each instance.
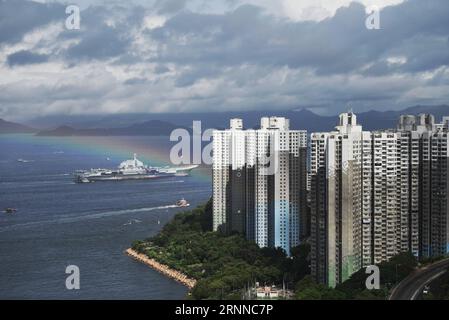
(223, 265)
(226, 265)
(391, 273)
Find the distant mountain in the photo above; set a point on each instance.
(148, 128)
(305, 119)
(375, 120)
(11, 127)
(299, 119)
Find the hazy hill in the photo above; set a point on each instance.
(148, 128)
(300, 119)
(11, 127)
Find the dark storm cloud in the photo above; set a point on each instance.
(17, 17)
(101, 43)
(341, 44)
(417, 30)
(100, 39)
(24, 57)
(163, 57)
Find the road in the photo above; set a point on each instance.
(411, 287)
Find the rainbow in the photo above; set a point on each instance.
(153, 151)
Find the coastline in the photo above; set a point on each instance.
(165, 270)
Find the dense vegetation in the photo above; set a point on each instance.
(226, 265)
(223, 265)
(391, 273)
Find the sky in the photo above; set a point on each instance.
(221, 55)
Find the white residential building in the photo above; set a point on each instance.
(259, 182)
(376, 194)
(336, 161)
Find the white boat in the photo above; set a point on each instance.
(182, 203)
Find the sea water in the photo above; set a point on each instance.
(60, 223)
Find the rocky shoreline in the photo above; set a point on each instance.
(165, 270)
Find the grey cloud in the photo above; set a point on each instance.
(379, 68)
(245, 59)
(341, 44)
(101, 43)
(161, 69)
(189, 77)
(134, 81)
(440, 78)
(100, 40)
(170, 6)
(17, 17)
(422, 53)
(24, 57)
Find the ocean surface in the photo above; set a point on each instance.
(60, 223)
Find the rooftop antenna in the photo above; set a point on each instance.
(350, 109)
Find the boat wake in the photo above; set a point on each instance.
(27, 184)
(132, 221)
(85, 217)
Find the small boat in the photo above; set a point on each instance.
(84, 180)
(10, 210)
(24, 160)
(132, 221)
(182, 203)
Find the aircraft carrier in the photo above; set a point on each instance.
(133, 169)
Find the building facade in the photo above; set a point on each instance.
(260, 182)
(434, 184)
(336, 231)
(376, 194)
